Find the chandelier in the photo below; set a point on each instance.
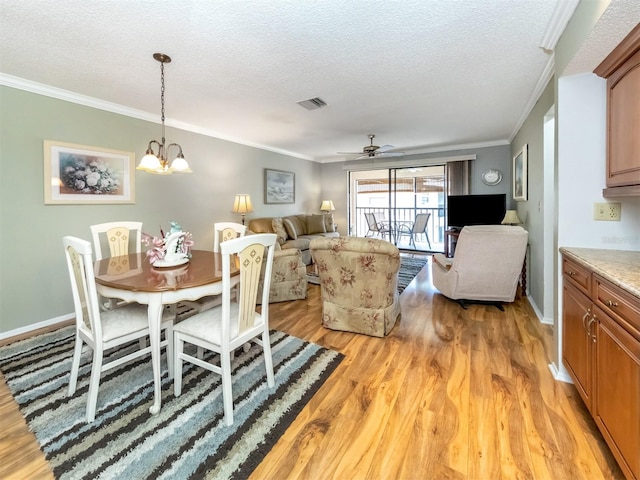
(159, 163)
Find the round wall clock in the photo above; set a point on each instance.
(491, 176)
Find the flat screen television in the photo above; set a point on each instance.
(463, 210)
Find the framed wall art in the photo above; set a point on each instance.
(520, 175)
(279, 186)
(79, 174)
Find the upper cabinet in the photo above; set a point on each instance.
(622, 71)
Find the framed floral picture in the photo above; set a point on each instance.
(520, 175)
(279, 186)
(79, 174)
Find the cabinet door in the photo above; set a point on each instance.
(576, 341)
(623, 143)
(617, 402)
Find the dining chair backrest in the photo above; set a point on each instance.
(224, 231)
(83, 287)
(250, 252)
(420, 224)
(121, 238)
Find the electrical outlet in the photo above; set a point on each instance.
(606, 211)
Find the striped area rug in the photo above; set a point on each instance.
(188, 438)
(409, 268)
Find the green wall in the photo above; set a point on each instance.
(34, 285)
(531, 212)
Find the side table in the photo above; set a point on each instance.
(450, 238)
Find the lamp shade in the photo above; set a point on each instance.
(327, 206)
(180, 165)
(511, 218)
(242, 203)
(150, 163)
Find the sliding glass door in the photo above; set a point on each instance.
(408, 205)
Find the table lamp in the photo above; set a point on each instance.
(327, 206)
(242, 205)
(511, 218)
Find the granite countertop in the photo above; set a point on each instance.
(620, 267)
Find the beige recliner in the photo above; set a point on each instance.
(486, 266)
(359, 282)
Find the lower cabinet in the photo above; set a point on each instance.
(601, 351)
(577, 349)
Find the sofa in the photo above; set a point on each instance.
(296, 231)
(359, 284)
(486, 266)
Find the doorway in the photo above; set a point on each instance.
(395, 197)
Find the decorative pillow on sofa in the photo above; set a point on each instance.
(315, 224)
(291, 230)
(296, 226)
(301, 226)
(278, 228)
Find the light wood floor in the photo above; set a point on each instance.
(449, 394)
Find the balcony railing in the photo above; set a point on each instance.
(394, 217)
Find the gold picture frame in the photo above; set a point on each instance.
(84, 175)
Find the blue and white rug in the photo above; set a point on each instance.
(188, 438)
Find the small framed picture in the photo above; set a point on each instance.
(279, 186)
(79, 174)
(520, 175)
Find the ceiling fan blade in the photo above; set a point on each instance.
(390, 154)
(384, 148)
(349, 153)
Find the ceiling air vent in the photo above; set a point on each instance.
(313, 103)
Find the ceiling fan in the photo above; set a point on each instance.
(372, 150)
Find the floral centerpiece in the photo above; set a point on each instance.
(170, 249)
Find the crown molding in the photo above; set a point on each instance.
(68, 96)
(543, 81)
(561, 15)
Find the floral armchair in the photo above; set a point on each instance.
(288, 277)
(359, 282)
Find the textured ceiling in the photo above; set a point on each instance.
(419, 74)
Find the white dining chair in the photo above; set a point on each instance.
(102, 330)
(228, 327)
(224, 231)
(120, 238)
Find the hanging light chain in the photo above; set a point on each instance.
(162, 88)
(160, 163)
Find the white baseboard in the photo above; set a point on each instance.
(36, 326)
(541, 317)
(560, 374)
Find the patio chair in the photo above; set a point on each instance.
(375, 227)
(419, 227)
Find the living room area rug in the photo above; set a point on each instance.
(188, 438)
(410, 266)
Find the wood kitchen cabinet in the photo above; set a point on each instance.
(601, 351)
(577, 351)
(622, 71)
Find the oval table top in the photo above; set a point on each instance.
(134, 272)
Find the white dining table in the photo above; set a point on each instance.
(131, 278)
